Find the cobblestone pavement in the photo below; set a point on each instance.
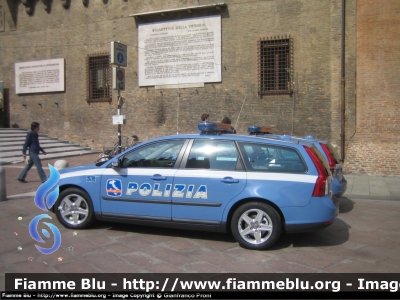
(363, 239)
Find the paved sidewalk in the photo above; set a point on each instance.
(362, 186)
(359, 186)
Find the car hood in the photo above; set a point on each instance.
(78, 168)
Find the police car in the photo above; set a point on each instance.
(252, 186)
(339, 182)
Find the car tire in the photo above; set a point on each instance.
(74, 209)
(256, 225)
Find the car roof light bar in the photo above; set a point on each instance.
(257, 130)
(213, 128)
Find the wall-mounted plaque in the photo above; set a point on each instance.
(40, 76)
(176, 52)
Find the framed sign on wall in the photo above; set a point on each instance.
(40, 76)
(179, 52)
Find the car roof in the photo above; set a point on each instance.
(309, 139)
(237, 137)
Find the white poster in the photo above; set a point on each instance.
(39, 76)
(176, 52)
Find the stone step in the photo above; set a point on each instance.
(10, 130)
(45, 146)
(12, 141)
(14, 138)
(10, 160)
(17, 133)
(22, 139)
(21, 143)
(49, 151)
(8, 135)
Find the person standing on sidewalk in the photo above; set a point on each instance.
(204, 118)
(32, 142)
(226, 120)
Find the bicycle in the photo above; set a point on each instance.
(117, 149)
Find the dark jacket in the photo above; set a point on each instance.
(32, 142)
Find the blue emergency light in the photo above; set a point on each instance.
(257, 130)
(207, 127)
(309, 137)
(253, 129)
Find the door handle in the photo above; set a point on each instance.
(229, 180)
(158, 177)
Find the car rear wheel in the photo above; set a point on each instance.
(256, 225)
(74, 209)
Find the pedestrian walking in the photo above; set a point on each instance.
(32, 142)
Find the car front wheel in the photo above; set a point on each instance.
(74, 209)
(256, 225)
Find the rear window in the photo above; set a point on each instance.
(322, 159)
(334, 153)
(271, 158)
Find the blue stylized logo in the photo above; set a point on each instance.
(35, 235)
(90, 178)
(114, 187)
(45, 197)
(49, 188)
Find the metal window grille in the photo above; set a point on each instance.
(275, 66)
(99, 78)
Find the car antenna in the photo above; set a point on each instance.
(237, 120)
(177, 111)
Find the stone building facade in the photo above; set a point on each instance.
(73, 30)
(374, 146)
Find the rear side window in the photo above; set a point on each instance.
(213, 154)
(272, 158)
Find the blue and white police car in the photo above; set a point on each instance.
(252, 186)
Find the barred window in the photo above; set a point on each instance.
(275, 67)
(99, 78)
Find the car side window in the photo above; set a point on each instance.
(158, 155)
(272, 158)
(213, 154)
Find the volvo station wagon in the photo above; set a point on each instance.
(253, 187)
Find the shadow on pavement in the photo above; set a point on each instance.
(346, 205)
(192, 234)
(336, 234)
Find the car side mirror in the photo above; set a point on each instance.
(117, 164)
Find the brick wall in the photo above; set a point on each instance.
(314, 108)
(374, 148)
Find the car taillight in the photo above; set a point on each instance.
(320, 188)
(331, 159)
